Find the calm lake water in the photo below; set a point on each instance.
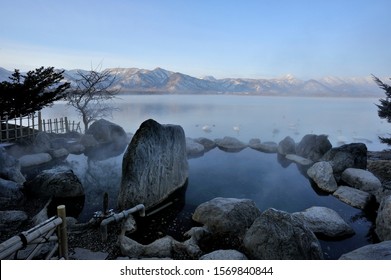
(245, 117)
(261, 177)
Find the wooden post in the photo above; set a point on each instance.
(56, 126)
(28, 124)
(50, 126)
(66, 125)
(39, 121)
(62, 233)
(15, 129)
(33, 124)
(61, 125)
(21, 126)
(6, 128)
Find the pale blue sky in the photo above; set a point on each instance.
(253, 39)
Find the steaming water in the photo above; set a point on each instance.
(245, 117)
(247, 174)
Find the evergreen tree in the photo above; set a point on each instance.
(25, 94)
(384, 108)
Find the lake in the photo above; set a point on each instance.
(261, 177)
(245, 117)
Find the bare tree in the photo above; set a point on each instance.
(92, 95)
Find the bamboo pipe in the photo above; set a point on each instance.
(118, 217)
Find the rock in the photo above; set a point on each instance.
(379, 251)
(324, 221)
(227, 215)
(154, 165)
(224, 255)
(313, 146)
(42, 215)
(194, 149)
(383, 219)
(207, 143)
(265, 147)
(299, 160)
(160, 248)
(129, 225)
(76, 149)
(107, 132)
(322, 174)
(381, 169)
(361, 179)
(287, 146)
(254, 142)
(88, 141)
(10, 194)
(34, 159)
(42, 143)
(110, 140)
(59, 153)
(230, 144)
(12, 218)
(354, 197)
(10, 168)
(277, 235)
(346, 156)
(55, 183)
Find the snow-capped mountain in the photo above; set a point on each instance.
(158, 80)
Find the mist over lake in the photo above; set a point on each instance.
(244, 117)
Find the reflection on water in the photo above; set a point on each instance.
(246, 174)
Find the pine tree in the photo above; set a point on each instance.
(384, 108)
(25, 94)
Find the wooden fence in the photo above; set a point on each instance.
(28, 126)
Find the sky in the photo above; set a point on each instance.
(237, 39)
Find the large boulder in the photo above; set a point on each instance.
(55, 183)
(31, 160)
(322, 174)
(281, 236)
(287, 146)
(42, 143)
(361, 179)
(379, 251)
(154, 165)
(383, 219)
(10, 168)
(107, 132)
(313, 146)
(111, 140)
(227, 215)
(325, 222)
(346, 156)
(354, 197)
(13, 218)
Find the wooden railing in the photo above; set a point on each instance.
(33, 239)
(27, 126)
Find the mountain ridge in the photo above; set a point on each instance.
(159, 80)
